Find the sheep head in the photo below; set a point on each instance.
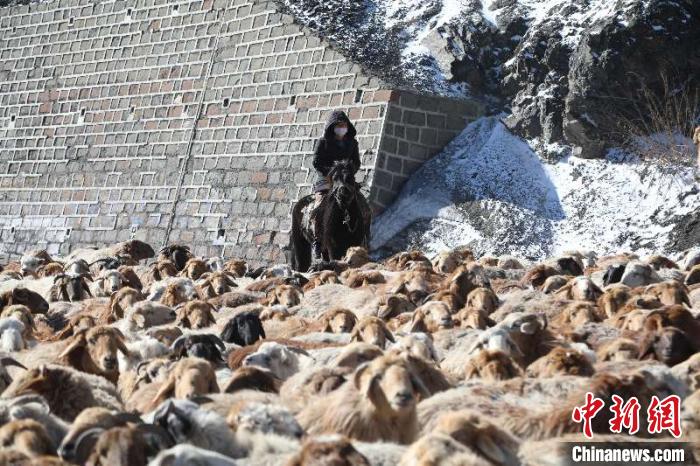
(120, 301)
(27, 436)
(31, 299)
(23, 314)
(372, 330)
(390, 384)
(561, 361)
(327, 450)
(491, 365)
(356, 256)
(338, 320)
(236, 267)
(188, 378)
(215, 284)
(431, 317)
(195, 314)
(177, 253)
(95, 351)
(355, 354)
(70, 288)
(194, 268)
(281, 360)
(286, 295)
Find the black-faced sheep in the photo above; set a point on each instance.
(177, 253)
(70, 288)
(201, 345)
(243, 329)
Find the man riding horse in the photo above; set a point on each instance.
(346, 214)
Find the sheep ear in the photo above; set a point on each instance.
(78, 343)
(357, 376)
(205, 275)
(389, 335)
(86, 288)
(417, 324)
(121, 345)
(355, 335)
(166, 391)
(420, 386)
(490, 449)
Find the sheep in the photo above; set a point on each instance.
(580, 289)
(189, 377)
(483, 299)
(639, 274)
(327, 450)
(490, 364)
(23, 314)
(400, 261)
(669, 292)
(194, 268)
(253, 378)
(537, 275)
(108, 282)
(693, 276)
(337, 320)
(11, 335)
(392, 305)
(377, 403)
(90, 419)
(265, 418)
(464, 279)
(122, 446)
(418, 345)
(49, 270)
(5, 378)
(177, 253)
(473, 318)
(282, 361)
(66, 390)
(372, 330)
(355, 354)
(355, 278)
(95, 351)
(76, 267)
(32, 260)
(448, 261)
(561, 361)
(234, 299)
(119, 302)
(174, 291)
(187, 455)
(434, 449)
(619, 349)
(27, 436)
(34, 407)
(146, 314)
(202, 345)
(431, 317)
(215, 284)
(70, 288)
(165, 335)
(159, 271)
(576, 314)
(195, 314)
(77, 324)
(482, 435)
(236, 267)
(243, 329)
(322, 278)
(286, 295)
(188, 423)
(20, 295)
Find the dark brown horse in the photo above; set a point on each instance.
(343, 220)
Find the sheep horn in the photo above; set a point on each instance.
(85, 443)
(128, 418)
(7, 362)
(156, 436)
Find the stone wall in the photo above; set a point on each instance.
(184, 121)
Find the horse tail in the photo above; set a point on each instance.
(299, 247)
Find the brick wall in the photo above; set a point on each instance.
(183, 121)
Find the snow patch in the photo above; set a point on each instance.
(488, 189)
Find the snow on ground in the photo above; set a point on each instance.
(490, 190)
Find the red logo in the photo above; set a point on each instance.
(661, 415)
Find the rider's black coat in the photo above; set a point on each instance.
(329, 150)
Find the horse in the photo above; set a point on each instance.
(342, 221)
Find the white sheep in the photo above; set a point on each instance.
(187, 455)
(282, 361)
(11, 331)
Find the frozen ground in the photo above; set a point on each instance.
(490, 190)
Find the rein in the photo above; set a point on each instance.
(347, 218)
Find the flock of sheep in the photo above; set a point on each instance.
(121, 356)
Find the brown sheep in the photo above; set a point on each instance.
(194, 268)
(159, 271)
(215, 284)
(491, 365)
(431, 317)
(49, 270)
(473, 318)
(669, 292)
(669, 345)
(394, 304)
(440, 449)
(454, 302)
(286, 295)
(134, 249)
(252, 378)
(354, 354)
(322, 278)
(236, 267)
(402, 260)
(233, 299)
(78, 323)
(619, 349)
(356, 256)
(195, 314)
(95, 351)
(555, 283)
(560, 361)
(354, 278)
(614, 298)
(165, 335)
(27, 436)
(465, 279)
(448, 261)
(481, 435)
(327, 451)
(482, 299)
(536, 276)
(378, 403)
(120, 302)
(31, 299)
(372, 330)
(173, 295)
(660, 262)
(132, 280)
(338, 320)
(120, 446)
(189, 377)
(576, 314)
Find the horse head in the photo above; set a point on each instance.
(344, 185)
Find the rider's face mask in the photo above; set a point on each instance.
(340, 131)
